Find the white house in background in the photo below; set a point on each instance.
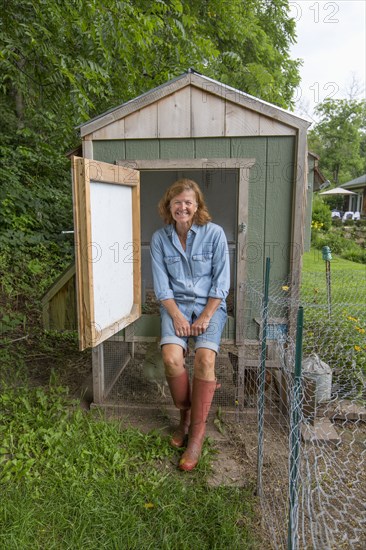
(357, 203)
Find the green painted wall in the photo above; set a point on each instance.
(270, 195)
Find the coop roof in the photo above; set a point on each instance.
(191, 96)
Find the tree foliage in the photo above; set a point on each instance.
(63, 62)
(340, 139)
(253, 39)
(79, 57)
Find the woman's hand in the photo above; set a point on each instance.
(200, 325)
(181, 326)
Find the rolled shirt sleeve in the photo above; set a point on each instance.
(220, 267)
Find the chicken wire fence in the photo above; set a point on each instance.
(311, 475)
(304, 433)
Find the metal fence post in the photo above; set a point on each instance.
(327, 256)
(293, 520)
(262, 376)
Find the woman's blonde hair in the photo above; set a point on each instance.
(201, 216)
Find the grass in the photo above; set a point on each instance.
(348, 280)
(70, 480)
(313, 262)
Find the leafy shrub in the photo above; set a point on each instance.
(336, 222)
(321, 214)
(347, 248)
(355, 255)
(336, 242)
(349, 222)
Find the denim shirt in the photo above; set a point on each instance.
(190, 277)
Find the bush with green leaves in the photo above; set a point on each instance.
(35, 207)
(321, 214)
(347, 248)
(355, 254)
(335, 241)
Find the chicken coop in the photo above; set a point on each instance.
(249, 158)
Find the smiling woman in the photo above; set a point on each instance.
(183, 208)
(190, 265)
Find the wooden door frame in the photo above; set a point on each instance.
(242, 166)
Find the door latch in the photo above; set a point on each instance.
(242, 227)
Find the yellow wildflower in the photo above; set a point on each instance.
(285, 288)
(357, 348)
(149, 505)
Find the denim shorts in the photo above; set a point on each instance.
(210, 339)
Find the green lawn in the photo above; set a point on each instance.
(347, 281)
(312, 261)
(71, 480)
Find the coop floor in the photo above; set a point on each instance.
(142, 380)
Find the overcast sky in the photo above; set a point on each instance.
(331, 40)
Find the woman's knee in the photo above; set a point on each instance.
(204, 364)
(173, 359)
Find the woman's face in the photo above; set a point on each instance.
(183, 207)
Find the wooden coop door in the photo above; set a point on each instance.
(106, 201)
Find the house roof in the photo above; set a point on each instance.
(76, 151)
(357, 182)
(207, 85)
(319, 177)
(313, 155)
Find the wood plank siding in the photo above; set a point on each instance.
(191, 112)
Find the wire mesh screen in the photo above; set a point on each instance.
(141, 380)
(112, 365)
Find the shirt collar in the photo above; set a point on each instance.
(169, 229)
